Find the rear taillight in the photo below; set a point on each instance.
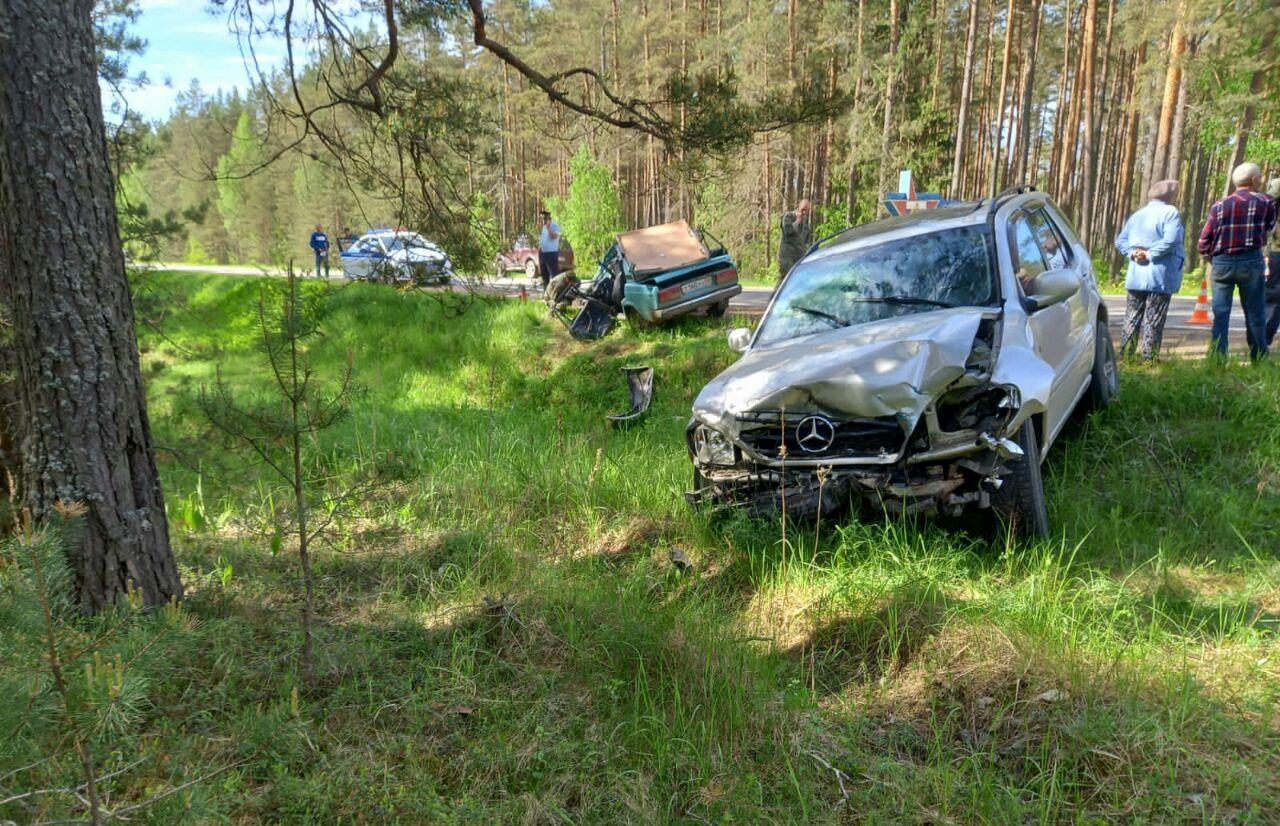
(725, 276)
(669, 293)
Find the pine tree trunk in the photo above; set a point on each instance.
(1173, 167)
(1056, 159)
(1086, 213)
(977, 175)
(1028, 87)
(1169, 101)
(1071, 134)
(1128, 159)
(993, 184)
(858, 71)
(889, 84)
(939, 29)
(82, 417)
(966, 92)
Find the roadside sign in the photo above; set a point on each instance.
(907, 199)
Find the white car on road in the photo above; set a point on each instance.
(396, 257)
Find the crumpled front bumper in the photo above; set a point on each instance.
(934, 469)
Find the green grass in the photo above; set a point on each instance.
(503, 638)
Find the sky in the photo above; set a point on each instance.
(185, 41)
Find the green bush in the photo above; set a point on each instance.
(592, 214)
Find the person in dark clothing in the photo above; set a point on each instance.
(797, 236)
(320, 246)
(346, 239)
(548, 249)
(1273, 271)
(1233, 239)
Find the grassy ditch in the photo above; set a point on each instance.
(504, 637)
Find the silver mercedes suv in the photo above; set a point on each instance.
(926, 363)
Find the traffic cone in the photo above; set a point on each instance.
(1200, 315)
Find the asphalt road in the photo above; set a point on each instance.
(1180, 335)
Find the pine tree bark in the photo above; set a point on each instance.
(1028, 87)
(1169, 101)
(994, 183)
(82, 418)
(889, 90)
(1089, 151)
(1129, 156)
(1058, 156)
(966, 92)
(977, 173)
(1173, 166)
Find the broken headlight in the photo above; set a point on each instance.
(711, 447)
(978, 408)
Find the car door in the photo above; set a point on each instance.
(1050, 326)
(1058, 254)
(357, 261)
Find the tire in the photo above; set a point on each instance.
(1019, 503)
(531, 268)
(718, 309)
(1104, 383)
(499, 269)
(637, 321)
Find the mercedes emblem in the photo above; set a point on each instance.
(815, 434)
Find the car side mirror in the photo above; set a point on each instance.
(739, 339)
(1052, 287)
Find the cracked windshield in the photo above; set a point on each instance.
(919, 273)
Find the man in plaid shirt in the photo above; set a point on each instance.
(1233, 240)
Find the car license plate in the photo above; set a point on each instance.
(695, 285)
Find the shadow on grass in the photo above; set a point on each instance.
(866, 647)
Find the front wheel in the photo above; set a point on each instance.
(1105, 381)
(1020, 502)
(531, 269)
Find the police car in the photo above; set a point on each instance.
(396, 257)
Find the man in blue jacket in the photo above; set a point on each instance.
(320, 245)
(1152, 240)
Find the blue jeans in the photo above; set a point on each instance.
(322, 259)
(1245, 271)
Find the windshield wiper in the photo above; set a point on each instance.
(833, 320)
(903, 299)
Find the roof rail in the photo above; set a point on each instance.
(1012, 192)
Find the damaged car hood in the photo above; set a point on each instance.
(892, 367)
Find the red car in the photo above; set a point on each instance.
(523, 255)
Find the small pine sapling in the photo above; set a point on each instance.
(76, 688)
(280, 425)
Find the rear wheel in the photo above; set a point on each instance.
(499, 269)
(1020, 501)
(718, 309)
(1105, 382)
(637, 321)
